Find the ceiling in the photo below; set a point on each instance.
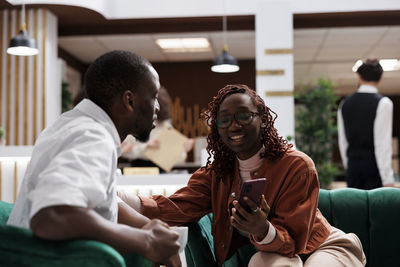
(325, 44)
(321, 52)
(332, 53)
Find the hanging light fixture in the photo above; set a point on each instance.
(225, 63)
(22, 44)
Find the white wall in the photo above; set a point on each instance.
(100, 6)
(274, 30)
(52, 70)
(189, 8)
(119, 9)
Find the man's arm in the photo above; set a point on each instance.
(383, 140)
(342, 140)
(129, 216)
(153, 241)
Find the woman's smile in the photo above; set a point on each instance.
(242, 133)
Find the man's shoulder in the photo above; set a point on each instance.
(68, 128)
(361, 97)
(385, 105)
(385, 99)
(346, 99)
(351, 96)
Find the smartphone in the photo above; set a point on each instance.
(253, 189)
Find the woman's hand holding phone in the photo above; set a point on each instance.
(253, 222)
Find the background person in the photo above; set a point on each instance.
(69, 189)
(135, 151)
(365, 131)
(287, 228)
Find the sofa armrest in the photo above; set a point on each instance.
(19, 247)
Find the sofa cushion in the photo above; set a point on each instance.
(348, 210)
(384, 214)
(373, 215)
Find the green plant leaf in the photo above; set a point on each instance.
(315, 129)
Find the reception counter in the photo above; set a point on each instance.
(148, 185)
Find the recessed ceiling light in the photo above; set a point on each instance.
(357, 65)
(387, 64)
(184, 44)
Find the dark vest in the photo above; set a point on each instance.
(359, 112)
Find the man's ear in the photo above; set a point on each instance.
(128, 100)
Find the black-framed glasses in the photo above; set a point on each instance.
(243, 118)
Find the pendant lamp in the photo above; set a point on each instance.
(225, 63)
(22, 44)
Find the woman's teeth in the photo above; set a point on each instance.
(237, 137)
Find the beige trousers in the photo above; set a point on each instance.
(339, 249)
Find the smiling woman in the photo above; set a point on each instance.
(256, 118)
(286, 228)
(241, 135)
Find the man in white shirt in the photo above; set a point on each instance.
(365, 132)
(69, 189)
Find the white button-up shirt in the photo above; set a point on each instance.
(382, 135)
(73, 163)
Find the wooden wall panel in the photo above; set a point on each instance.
(192, 86)
(23, 112)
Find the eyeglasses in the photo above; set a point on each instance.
(242, 118)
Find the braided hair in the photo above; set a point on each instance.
(223, 163)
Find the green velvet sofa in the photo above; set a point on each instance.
(373, 215)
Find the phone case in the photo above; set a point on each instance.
(253, 189)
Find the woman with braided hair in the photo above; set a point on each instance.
(286, 229)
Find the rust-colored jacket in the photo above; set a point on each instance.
(291, 191)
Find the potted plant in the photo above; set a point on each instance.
(2, 137)
(315, 127)
(66, 98)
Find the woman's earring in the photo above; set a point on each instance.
(263, 125)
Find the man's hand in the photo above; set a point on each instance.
(132, 200)
(153, 143)
(127, 144)
(163, 245)
(254, 222)
(188, 144)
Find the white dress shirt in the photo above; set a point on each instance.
(382, 135)
(73, 163)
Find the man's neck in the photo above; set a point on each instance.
(370, 83)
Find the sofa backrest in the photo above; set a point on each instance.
(374, 215)
(12, 171)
